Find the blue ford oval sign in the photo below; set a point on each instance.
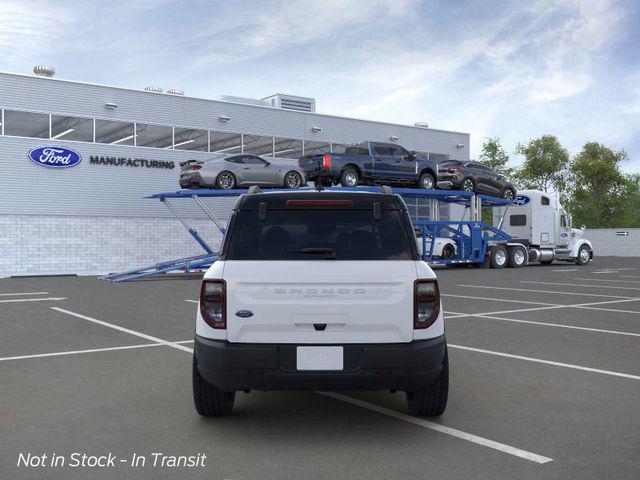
(55, 157)
(521, 200)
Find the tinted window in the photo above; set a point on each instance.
(252, 160)
(357, 151)
(225, 142)
(544, 201)
(190, 139)
(258, 145)
(238, 159)
(157, 136)
(319, 235)
(518, 220)
(26, 124)
(287, 148)
(383, 150)
(338, 148)
(71, 128)
(115, 133)
(316, 148)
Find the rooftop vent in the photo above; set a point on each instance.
(153, 88)
(43, 71)
(175, 91)
(291, 102)
(244, 100)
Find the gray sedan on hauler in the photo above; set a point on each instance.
(241, 170)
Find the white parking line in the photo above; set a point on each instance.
(547, 362)
(566, 270)
(545, 324)
(629, 276)
(546, 291)
(91, 350)
(27, 293)
(581, 285)
(605, 280)
(48, 299)
(469, 437)
(123, 329)
(191, 301)
(496, 299)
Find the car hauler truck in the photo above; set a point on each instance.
(540, 227)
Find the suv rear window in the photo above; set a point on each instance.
(327, 234)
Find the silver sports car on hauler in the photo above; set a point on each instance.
(241, 170)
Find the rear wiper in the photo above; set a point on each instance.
(329, 252)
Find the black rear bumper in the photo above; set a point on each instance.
(242, 366)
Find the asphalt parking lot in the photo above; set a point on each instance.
(545, 383)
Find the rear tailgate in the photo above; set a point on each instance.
(328, 302)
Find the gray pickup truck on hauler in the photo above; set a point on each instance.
(371, 163)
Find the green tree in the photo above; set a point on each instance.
(494, 156)
(545, 164)
(600, 194)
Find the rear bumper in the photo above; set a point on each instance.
(241, 366)
(189, 180)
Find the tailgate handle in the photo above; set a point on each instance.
(320, 327)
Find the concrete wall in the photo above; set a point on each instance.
(612, 242)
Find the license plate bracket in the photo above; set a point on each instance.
(320, 358)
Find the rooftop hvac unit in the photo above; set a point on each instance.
(43, 71)
(153, 88)
(291, 102)
(175, 91)
(244, 100)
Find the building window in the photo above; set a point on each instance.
(225, 142)
(26, 124)
(71, 128)
(190, 139)
(287, 148)
(316, 148)
(517, 220)
(115, 133)
(257, 145)
(438, 157)
(338, 148)
(157, 136)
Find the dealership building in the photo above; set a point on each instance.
(92, 218)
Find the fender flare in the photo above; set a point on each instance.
(578, 244)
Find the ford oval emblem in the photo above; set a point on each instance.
(521, 200)
(244, 313)
(55, 157)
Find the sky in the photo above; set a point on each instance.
(509, 69)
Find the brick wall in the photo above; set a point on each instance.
(611, 242)
(48, 245)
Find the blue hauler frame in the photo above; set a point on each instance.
(472, 237)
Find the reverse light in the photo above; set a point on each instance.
(213, 303)
(326, 160)
(426, 303)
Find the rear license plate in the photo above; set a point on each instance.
(320, 358)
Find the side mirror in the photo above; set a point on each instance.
(410, 156)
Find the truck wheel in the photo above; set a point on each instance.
(584, 255)
(349, 178)
(517, 257)
(209, 401)
(499, 257)
(427, 181)
(432, 400)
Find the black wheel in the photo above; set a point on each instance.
(448, 251)
(349, 177)
(209, 401)
(432, 400)
(427, 181)
(517, 257)
(226, 180)
(468, 185)
(508, 194)
(293, 180)
(499, 257)
(584, 255)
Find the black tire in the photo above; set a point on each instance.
(546, 262)
(584, 255)
(431, 401)
(448, 251)
(517, 257)
(499, 256)
(427, 181)
(209, 401)
(225, 180)
(292, 180)
(349, 177)
(509, 194)
(468, 185)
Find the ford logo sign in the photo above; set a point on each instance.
(55, 157)
(244, 313)
(521, 200)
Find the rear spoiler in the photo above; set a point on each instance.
(189, 162)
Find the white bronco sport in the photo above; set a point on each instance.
(320, 291)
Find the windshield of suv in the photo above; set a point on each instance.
(325, 234)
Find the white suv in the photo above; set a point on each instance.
(320, 291)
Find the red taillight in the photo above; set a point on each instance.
(426, 303)
(320, 203)
(196, 167)
(326, 161)
(213, 303)
(454, 170)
